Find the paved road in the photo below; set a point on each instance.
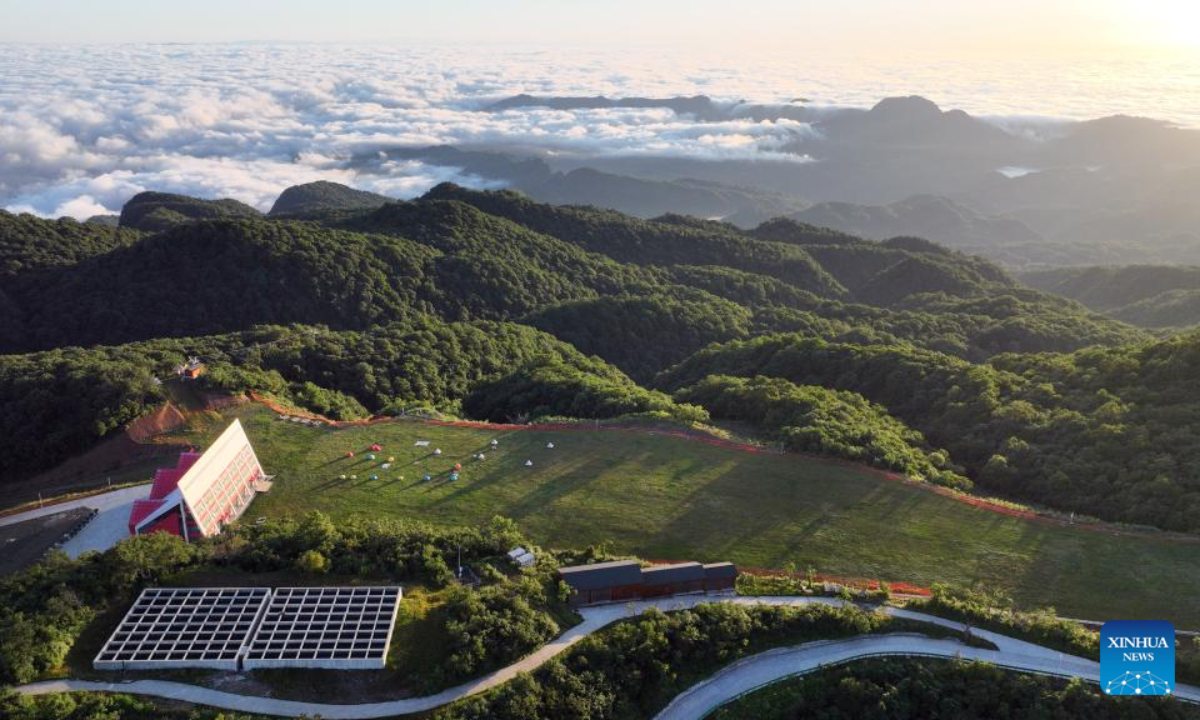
(748, 673)
(758, 670)
(101, 502)
(108, 528)
(104, 530)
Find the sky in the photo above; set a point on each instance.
(101, 100)
(1048, 27)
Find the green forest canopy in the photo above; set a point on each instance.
(941, 363)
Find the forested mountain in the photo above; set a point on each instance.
(461, 254)
(323, 195)
(1146, 295)
(31, 243)
(1104, 431)
(155, 211)
(639, 196)
(645, 333)
(70, 398)
(647, 243)
(487, 304)
(929, 216)
(219, 276)
(1174, 308)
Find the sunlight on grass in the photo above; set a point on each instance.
(668, 498)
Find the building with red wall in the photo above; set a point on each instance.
(203, 492)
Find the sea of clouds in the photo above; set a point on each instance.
(84, 128)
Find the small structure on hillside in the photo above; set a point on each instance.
(623, 580)
(191, 369)
(521, 557)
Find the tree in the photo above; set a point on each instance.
(312, 562)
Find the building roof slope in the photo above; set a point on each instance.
(677, 573)
(601, 575)
(720, 570)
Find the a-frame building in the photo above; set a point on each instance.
(203, 492)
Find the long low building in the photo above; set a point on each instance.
(623, 580)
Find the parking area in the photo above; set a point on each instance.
(23, 543)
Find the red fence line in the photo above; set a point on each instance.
(901, 588)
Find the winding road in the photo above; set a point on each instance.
(694, 703)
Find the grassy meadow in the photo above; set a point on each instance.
(670, 498)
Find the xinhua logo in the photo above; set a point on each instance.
(1137, 657)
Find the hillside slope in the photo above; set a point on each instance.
(665, 497)
(1145, 295)
(1103, 431)
(641, 296)
(30, 243)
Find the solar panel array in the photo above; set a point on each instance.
(184, 627)
(333, 627)
(233, 628)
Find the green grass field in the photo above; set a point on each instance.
(668, 498)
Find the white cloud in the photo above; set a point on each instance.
(84, 206)
(82, 126)
(82, 129)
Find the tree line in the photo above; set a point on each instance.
(1105, 431)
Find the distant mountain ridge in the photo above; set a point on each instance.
(702, 106)
(933, 217)
(155, 211)
(1118, 189)
(640, 197)
(1153, 296)
(462, 254)
(324, 195)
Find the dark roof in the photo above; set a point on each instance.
(713, 571)
(665, 574)
(602, 575)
